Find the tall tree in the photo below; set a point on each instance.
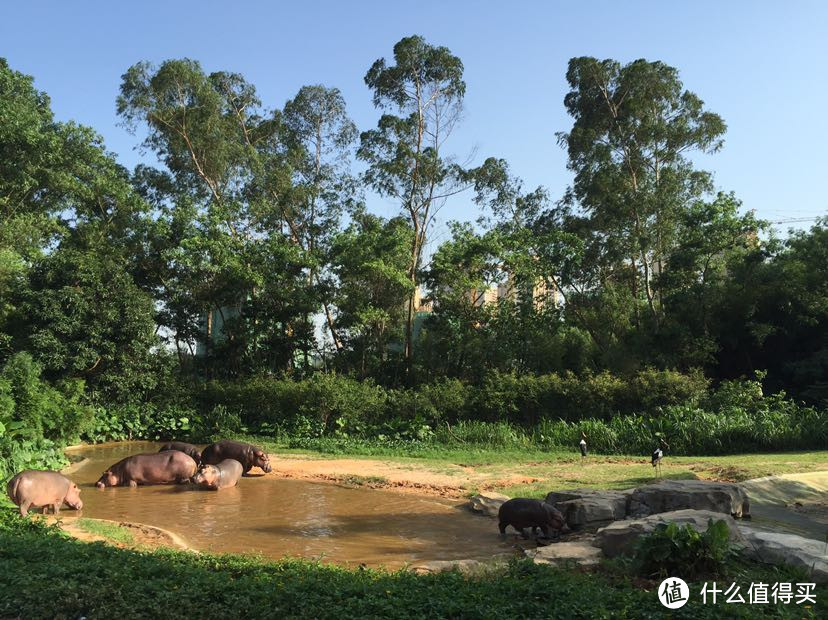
(68, 222)
(322, 135)
(634, 129)
(229, 177)
(404, 153)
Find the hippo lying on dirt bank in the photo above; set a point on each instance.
(520, 513)
(247, 454)
(160, 468)
(41, 489)
(187, 448)
(225, 474)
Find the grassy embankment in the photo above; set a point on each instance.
(477, 467)
(44, 574)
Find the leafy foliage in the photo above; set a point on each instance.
(675, 551)
(40, 577)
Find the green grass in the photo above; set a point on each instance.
(555, 469)
(44, 574)
(110, 531)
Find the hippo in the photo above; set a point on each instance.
(225, 474)
(159, 468)
(247, 454)
(187, 448)
(43, 489)
(520, 512)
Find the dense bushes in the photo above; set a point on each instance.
(37, 419)
(326, 403)
(521, 411)
(618, 416)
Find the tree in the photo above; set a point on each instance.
(86, 319)
(712, 239)
(323, 188)
(634, 127)
(223, 200)
(404, 153)
(68, 217)
(370, 262)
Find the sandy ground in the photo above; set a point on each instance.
(456, 482)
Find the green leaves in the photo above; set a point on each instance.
(681, 551)
(422, 73)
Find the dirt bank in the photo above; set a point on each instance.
(454, 481)
(140, 534)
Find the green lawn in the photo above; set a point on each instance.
(556, 469)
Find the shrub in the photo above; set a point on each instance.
(140, 421)
(675, 551)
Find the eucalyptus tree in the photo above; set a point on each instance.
(322, 136)
(228, 173)
(405, 154)
(634, 130)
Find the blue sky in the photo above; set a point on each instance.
(760, 65)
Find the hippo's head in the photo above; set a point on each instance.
(207, 475)
(72, 498)
(107, 479)
(556, 518)
(260, 460)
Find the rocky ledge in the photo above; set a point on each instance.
(611, 522)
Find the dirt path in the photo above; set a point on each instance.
(453, 481)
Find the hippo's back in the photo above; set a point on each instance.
(30, 484)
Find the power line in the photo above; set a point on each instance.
(796, 219)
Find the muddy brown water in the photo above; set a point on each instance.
(276, 517)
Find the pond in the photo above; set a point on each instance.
(276, 517)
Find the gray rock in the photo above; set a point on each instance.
(669, 495)
(582, 552)
(487, 503)
(779, 548)
(584, 508)
(621, 537)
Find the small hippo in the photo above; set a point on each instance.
(42, 489)
(247, 454)
(160, 468)
(225, 474)
(187, 448)
(521, 512)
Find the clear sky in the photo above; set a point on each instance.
(761, 65)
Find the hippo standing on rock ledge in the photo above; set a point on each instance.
(187, 448)
(225, 474)
(167, 467)
(247, 454)
(42, 489)
(521, 513)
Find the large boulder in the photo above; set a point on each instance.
(669, 495)
(621, 537)
(590, 508)
(779, 548)
(582, 552)
(487, 503)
